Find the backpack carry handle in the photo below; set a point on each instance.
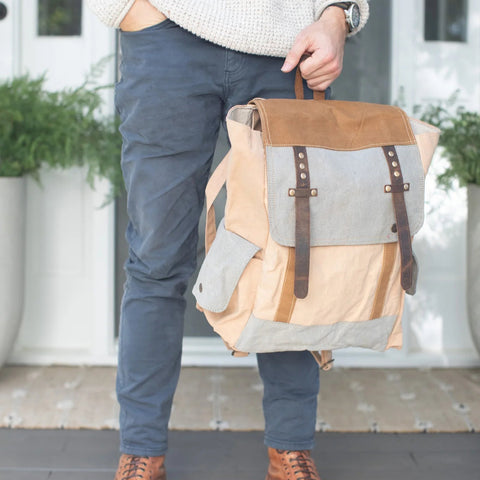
(317, 95)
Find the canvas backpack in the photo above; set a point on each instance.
(315, 249)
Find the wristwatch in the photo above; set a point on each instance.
(352, 14)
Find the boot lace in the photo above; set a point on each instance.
(302, 465)
(134, 468)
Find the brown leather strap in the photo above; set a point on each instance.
(302, 194)
(317, 95)
(398, 189)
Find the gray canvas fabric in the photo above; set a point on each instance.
(351, 207)
(267, 336)
(222, 268)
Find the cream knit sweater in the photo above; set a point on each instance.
(263, 27)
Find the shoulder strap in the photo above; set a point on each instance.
(215, 184)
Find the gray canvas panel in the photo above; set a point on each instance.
(224, 264)
(351, 207)
(266, 336)
(242, 114)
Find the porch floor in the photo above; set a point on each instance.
(93, 455)
(59, 424)
(351, 400)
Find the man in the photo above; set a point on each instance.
(184, 64)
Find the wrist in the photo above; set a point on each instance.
(352, 14)
(335, 15)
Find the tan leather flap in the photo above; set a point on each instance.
(332, 124)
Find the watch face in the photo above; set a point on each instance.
(354, 15)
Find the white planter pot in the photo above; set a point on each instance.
(473, 262)
(12, 260)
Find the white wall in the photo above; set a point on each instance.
(427, 72)
(68, 311)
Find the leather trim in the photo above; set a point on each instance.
(403, 228)
(389, 255)
(332, 124)
(287, 298)
(317, 95)
(302, 222)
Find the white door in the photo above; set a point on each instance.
(436, 50)
(68, 312)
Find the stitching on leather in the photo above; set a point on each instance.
(408, 127)
(363, 147)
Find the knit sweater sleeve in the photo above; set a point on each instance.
(321, 5)
(110, 12)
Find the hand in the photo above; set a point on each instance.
(141, 15)
(323, 42)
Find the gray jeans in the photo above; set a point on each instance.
(174, 92)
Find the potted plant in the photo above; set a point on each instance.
(460, 140)
(39, 128)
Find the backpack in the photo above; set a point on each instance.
(315, 249)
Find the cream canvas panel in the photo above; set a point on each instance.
(355, 297)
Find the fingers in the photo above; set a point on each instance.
(293, 57)
(325, 41)
(321, 63)
(320, 69)
(320, 84)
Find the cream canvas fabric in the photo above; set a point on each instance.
(355, 297)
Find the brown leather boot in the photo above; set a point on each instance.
(291, 465)
(133, 467)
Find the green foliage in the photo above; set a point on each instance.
(57, 129)
(460, 139)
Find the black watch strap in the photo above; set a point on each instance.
(344, 5)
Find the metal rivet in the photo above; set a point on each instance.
(303, 176)
(291, 192)
(388, 188)
(394, 228)
(406, 187)
(200, 287)
(313, 192)
(302, 166)
(391, 154)
(394, 164)
(396, 173)
(301, 155)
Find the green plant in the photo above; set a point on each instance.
(460, 139)
(57, 129)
